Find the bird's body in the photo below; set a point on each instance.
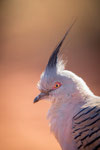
(74, 115)
(74, 132)
(65, 121)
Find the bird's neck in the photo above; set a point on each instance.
(60, 116)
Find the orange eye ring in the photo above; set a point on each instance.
(57, 85)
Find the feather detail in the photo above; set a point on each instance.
(86, 126)
(53, 60)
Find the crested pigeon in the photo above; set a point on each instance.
(74, 115)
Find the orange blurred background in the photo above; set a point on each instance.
(30, 30)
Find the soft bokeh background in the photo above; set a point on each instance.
(30, 30)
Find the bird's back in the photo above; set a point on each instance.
(86, 126)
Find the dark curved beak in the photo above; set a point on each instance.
(40, 97)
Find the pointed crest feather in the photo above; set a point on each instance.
(53, 58)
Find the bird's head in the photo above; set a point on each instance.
(56, 83)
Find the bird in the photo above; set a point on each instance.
(74, 115)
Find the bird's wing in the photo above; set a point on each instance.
(86, 128)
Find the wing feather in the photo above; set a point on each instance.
(86, 128)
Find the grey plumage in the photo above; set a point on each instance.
(74, 115)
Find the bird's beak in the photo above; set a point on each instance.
(40, 97)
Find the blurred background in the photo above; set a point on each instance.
(29, 32)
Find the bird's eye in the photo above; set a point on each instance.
(57, 85)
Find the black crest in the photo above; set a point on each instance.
(53, 58)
